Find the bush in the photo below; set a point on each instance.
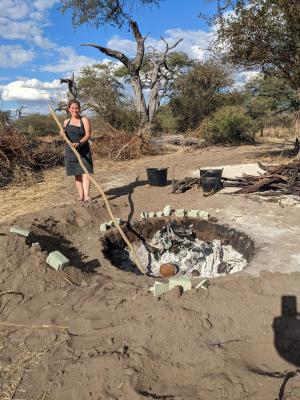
(164, 122)
(36, 125)
(229, 124)
(22, 160)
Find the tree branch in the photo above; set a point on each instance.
(112, 53)
(140, 42)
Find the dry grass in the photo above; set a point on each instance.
(11, 374)
(55, 189)
(279, 132)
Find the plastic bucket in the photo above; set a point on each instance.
(211, 184)
(211, 173)
(157, 176)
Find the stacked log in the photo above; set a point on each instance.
(277, 179)
(282, 179)
(181, 186)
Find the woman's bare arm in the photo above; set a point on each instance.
(64, 124)
(87, 129)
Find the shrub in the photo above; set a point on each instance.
(229, 124)
(36, 125)
(23, 159)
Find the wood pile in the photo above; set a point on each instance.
(179, 140)
(281, 179)
(181, 186)
(22, 159)
(277, 179)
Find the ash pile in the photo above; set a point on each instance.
(192, 257)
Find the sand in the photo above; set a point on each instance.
(95, 332)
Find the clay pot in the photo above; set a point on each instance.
(167, 270)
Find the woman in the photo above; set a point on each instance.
(78, 130)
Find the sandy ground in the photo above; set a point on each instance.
(95, 332)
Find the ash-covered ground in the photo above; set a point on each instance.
(180, 246)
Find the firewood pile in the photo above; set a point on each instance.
(278, 179)
(181, 186)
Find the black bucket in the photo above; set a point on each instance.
(211, 173)
(157, 176)
(211, 184)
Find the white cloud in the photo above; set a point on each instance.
(125, 45)
(44, 4)
(27, 31)
(194, 43)
(14, 9)
(43, 42)
(14, 56)
(24, 20)
(69, 61)
(29, 90)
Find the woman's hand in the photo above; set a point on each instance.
(76, 145)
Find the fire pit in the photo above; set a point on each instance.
(195, 247)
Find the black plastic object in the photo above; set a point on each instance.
(211, 184)
(157, 176)
(211, 173)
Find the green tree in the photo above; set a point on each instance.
(229, 124)
(268, 96)
(277, 93)
(199, 92)
(164, 121)
(262, 33)
(100, 12)
(100, 91)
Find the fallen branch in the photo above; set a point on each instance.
(126, 145)
(136, 258)
(12, 292)
(33, 326)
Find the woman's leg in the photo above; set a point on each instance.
(86, 186)
(79, 185)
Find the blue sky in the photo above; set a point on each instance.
(38, 44)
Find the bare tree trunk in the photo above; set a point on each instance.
(153, 101)
(154, 89)
(297, 124)
(139, 99)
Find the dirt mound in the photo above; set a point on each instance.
(95, 332)
(23, 267)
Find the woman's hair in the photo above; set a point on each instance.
(73, 102)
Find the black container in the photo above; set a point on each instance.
(211, 173)
(157, 176)
(211, 184)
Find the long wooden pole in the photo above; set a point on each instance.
(135, 256)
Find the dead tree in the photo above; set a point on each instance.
(62, 105)
(19, 111)
(72, 87)
(156, 80)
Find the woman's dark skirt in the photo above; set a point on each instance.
(72, 164)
